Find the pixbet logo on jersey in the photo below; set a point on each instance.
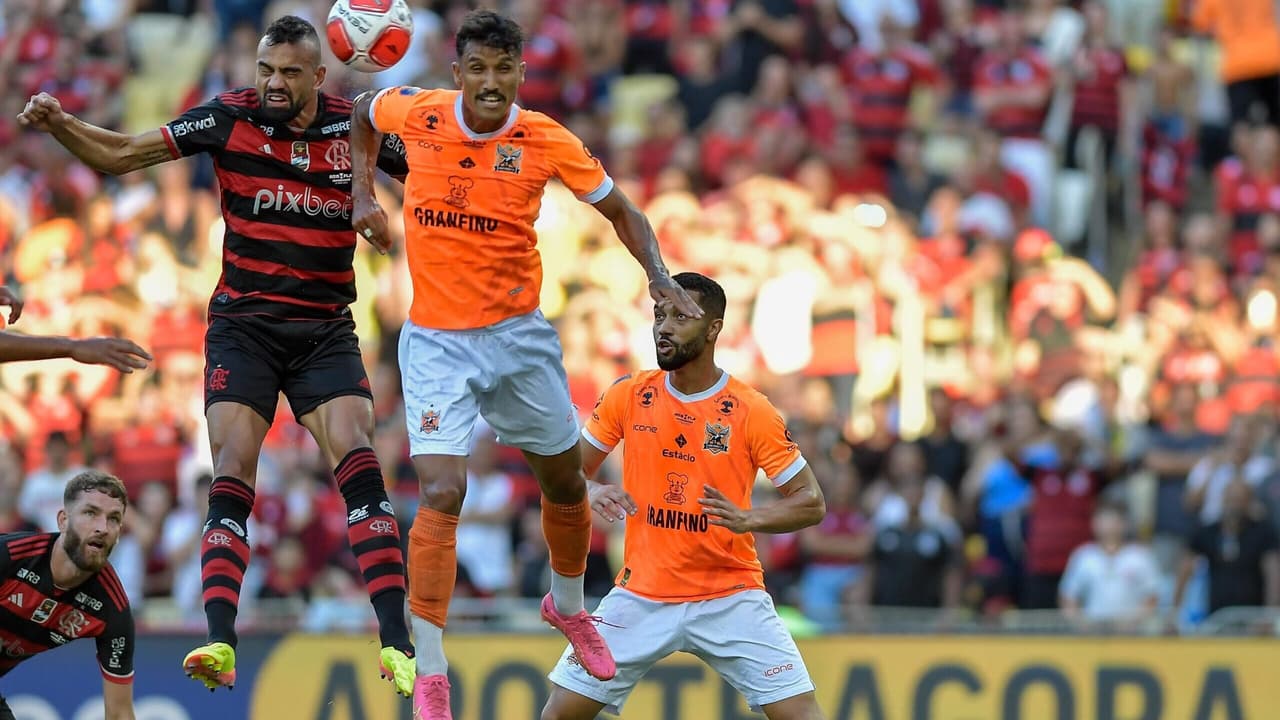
(304, 202)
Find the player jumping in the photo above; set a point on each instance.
(59, 587)
(476, 342)
(279, 317)
(693, 440)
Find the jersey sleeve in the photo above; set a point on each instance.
(115, 648)
(390, 108)
(772, 448)
(202, 129)
(577, 168)
(604, 428)
(391, 156)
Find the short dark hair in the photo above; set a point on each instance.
(91, 481)
(712, 299)
(290, 30)
(489, 29)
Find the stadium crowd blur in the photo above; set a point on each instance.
(1010, 268)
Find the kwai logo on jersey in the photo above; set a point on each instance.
(186, 127)
(305, 202)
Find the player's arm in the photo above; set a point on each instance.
(637, 236)
(119, 353)
(600, 435)
(367, 216)
(115, 660)
(101, 149)
(801, 506)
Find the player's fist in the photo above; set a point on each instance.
(10, 299)
(43, 112)
(610, 501)
(370, 221)
(119, 353)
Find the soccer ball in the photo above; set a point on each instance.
(369, 35)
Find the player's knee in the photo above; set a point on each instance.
(232, 461)
(443, 492)
(564, 485)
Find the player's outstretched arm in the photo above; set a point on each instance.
(637, 235)
(117, 700)
(367, 216)
(801, 505)
(119, 353)
(611, 502)
(101, 149)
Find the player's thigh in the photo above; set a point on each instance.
(328, 388)
(565, 704)
(742, 638)
(6, 713)
(639, 633)
(530, 407)
(244, 364)
(439, 374)
(797, 707)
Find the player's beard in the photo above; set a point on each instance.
(78, 552)
(681, 354)
(280, 115)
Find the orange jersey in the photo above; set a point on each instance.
(471, 200)
(673, 445)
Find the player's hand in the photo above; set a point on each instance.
(121, 354)
(723, 512)
(611, 502)
(664, 289)
(10, 298)
(370, 221)
(43, 112)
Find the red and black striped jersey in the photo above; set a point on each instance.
(36, 615)
(286, 201)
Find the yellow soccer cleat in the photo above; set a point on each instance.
(213, 664)
(400, 669)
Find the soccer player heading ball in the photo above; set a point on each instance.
(475, 342)
(279, 317)
(693, 440)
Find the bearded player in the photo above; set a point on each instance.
(476, 342)
(693, 440)
(279, 317)
(59, 587)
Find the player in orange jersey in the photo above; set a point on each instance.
(476, 343)
(693, 440)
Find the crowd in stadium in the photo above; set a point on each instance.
(1009, 406)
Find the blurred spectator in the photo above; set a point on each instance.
(946, 456)
(915, 560)
(1111, 581)
(752, 31)
(1104, 97)
(1237, 460)
(1242, 553)
(484, 531)
(882, 77)
(41, 496)
(11, 518)
(1177, 444)
(533, 574)
(835, 549)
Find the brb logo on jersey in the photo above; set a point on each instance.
(305, 202)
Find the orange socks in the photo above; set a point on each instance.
(568, 532)
(433, 564)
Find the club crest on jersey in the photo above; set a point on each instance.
(675, 488)
(338, 155)
(43, 611)
(508, 159)
(72, 624)
(430, 421)
(647, 395)
(717, 439)
(300, 155)
(726, 404)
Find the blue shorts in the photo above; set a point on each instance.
(510, 373)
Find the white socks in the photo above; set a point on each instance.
(566, 593)
(428, 643)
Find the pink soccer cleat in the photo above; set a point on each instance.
(588, 646)
(431, 698)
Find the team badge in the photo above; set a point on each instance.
(717, 439)
(430, 421)
(508, 159)
(726, 404)
(300, 156)
(43, 611)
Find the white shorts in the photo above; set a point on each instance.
(740, 636)
(510, 373)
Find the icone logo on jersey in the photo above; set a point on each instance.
(186, 127)
(304, 202)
